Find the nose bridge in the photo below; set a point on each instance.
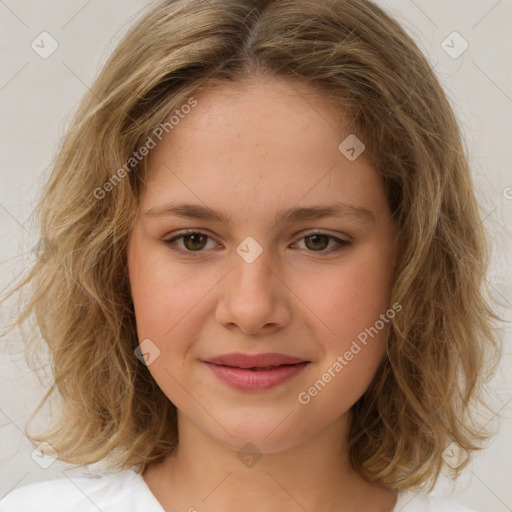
(252, 297)
(253, 266)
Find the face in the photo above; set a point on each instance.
(265, 320)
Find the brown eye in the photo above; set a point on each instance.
(318, 242)
(195, 242)
(189, 242)
(321, 243)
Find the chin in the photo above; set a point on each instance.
(269, 433)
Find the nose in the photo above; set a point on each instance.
(253, 297)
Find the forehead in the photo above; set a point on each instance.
(269, 142)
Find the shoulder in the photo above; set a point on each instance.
(415, 502)
(107, 492)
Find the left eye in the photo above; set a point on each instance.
(196, 241)
(318, 242)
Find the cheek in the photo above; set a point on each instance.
(164, 299)
(349, 299)
(353, 350)
(162, 293)
(352, 306)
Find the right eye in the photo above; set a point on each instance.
(191, 242)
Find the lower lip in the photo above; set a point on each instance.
(252, 380)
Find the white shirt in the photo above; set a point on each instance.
(126, 491)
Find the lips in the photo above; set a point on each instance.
(255, 372)
(255, 361)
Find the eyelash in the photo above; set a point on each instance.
(172, 242)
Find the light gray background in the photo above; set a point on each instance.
(38, 97)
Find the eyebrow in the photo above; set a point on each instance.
(348, 211)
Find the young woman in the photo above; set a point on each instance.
(263, 285)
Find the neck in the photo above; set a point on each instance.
(316, 475)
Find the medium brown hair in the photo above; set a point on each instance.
(439, 347)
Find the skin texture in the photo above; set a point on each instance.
(250, 151)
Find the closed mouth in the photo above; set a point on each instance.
(260, 368)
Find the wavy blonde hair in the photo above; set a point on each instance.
(443, 346)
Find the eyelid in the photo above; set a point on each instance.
(338, 238)
(335, 235)
(189, 231)
(316, 231)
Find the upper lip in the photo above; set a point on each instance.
(240, 360)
